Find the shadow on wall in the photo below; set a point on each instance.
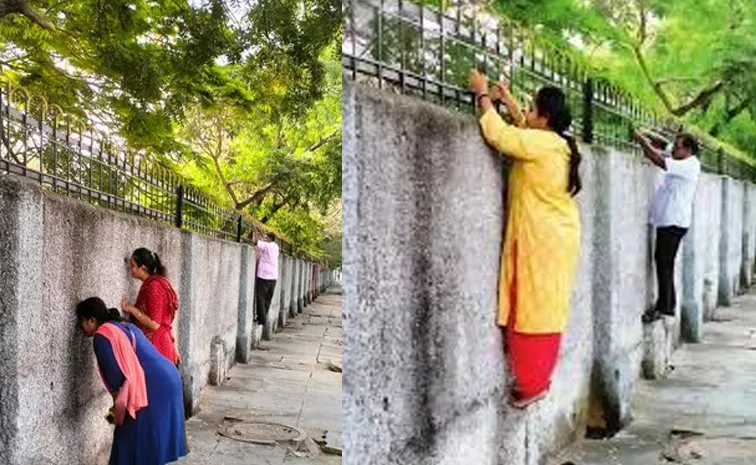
(423, 215)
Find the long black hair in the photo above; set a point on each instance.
(150, 260)
(94, 307)
(551, 103)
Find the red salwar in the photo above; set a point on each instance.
(531, 357)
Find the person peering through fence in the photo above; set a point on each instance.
(155, 308)
(148, 411)
(542, 243)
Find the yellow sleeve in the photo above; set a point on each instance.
(519, 121)
(503, 137)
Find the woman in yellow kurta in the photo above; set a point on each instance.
(542, 243)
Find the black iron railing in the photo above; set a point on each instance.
(425, 52)
(63, 154)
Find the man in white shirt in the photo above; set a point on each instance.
(267, 275)
(671, 211)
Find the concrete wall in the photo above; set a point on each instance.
(283, 313)
(288, 287)
(701, 257)
(246, 313)
(424, 371)
(712, 186)
(293, 288)
(311, 283)
(749, 236)
(731, 238)
(299, 286)
(55, 252)
(274, 321)
(624, 281)
(209, 323)
(307, 282)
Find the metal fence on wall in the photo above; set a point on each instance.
(421, 51)
(66, 156)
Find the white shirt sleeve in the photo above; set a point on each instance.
(688, 168)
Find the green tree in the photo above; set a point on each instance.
(135, 66)
(686, 58)
(241, 97)
(283, 169)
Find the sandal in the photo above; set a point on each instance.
(651, 316)
(521, 403)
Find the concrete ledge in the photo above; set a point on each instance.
(657, 348)
(257, 336)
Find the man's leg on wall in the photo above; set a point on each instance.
(661, 260)
(260, 308)
(667, 244)
(675, 240)
(269, 291)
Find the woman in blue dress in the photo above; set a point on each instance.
(154, 435)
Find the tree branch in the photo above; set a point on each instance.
(644, 68)
(7, 143)
(9, 7)
(322, 142)
(277, 207)
(205, 147)
(669, 80)
(226, 185)
(216, 162)
(643, 26)
(257, 197)
(279, 142)
(699, 99)
(732, 113)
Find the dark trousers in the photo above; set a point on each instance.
(668, 241)
(264, 289)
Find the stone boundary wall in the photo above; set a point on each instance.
(56, 251)
(424, 372)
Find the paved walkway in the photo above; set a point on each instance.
(288, 381)
(704, 413)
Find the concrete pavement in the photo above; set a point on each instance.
(294, 380)
(704, 413)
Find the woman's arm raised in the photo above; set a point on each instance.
(505, 138)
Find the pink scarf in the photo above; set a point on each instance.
(133, 393)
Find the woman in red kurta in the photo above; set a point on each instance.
(156, 304)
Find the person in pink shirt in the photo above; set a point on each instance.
(267, 275)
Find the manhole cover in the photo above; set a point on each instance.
(710, 451)
(260, 432)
